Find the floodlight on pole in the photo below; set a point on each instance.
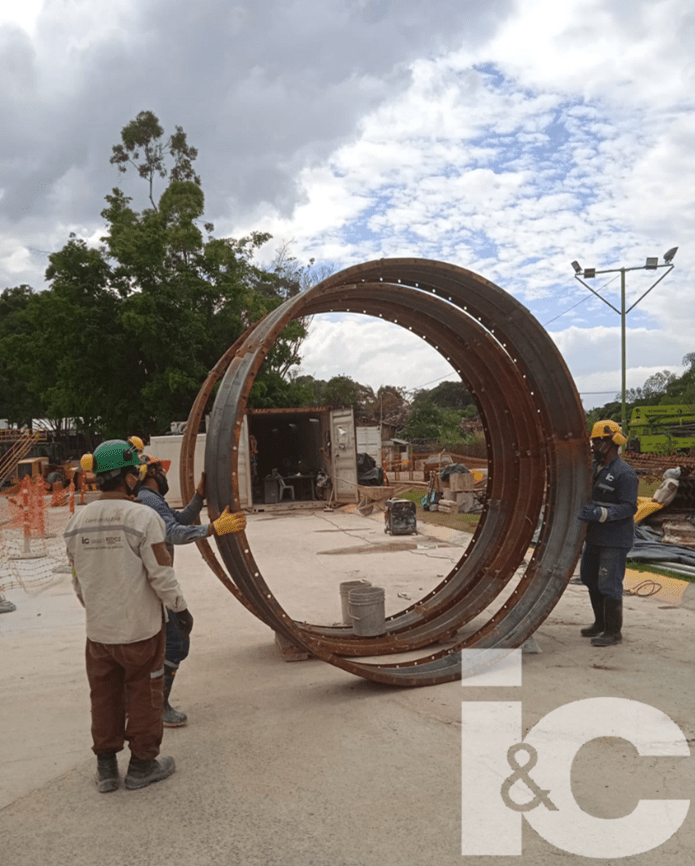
(652, 264)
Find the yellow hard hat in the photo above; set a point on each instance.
(87, 462)
(608, 430)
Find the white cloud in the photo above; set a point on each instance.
(376, 352)
(635, 51)
(509, 138)
(514, 177)
(22, 14)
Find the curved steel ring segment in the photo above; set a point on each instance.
(537, 451)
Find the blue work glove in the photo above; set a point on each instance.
(590, 512)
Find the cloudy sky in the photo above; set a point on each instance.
(510, 138)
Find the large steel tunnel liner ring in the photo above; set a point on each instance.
(537, 447)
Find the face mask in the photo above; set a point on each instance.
(601, 448)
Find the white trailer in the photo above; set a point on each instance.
(295, 442)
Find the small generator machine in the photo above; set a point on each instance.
(400, 517)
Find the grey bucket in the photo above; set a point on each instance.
(367, 610)
(345, 588)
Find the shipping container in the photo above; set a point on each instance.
(302, 446)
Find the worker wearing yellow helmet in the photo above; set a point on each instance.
(182, 527)
(609, 534)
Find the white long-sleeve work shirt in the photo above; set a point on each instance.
(122, 572)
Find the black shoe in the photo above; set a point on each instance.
(107, 778)
(142, 773)
(171, 718)
(607, 639)
(599, 626)
(591, 630)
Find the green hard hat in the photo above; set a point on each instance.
(113, 455)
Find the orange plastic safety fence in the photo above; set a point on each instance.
(32, 523)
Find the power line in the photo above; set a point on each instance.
(588, 297)
(567, 311)
(431, 382)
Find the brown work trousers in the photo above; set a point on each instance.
(127, 693)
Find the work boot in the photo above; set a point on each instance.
(172, 718)
(107, 778)
(142, 773)
(614, 622)
(599, 615)
(6, 606)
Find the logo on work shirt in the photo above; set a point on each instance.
(102, 541)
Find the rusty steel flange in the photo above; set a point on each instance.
(537, 449)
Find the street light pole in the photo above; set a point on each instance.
(623, 342)
(652, 264)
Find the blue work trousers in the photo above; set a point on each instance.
(177, 644)
(603, 569)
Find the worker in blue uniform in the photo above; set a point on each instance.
(609, 534)
(181, 528)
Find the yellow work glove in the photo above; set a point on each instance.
(227, 522)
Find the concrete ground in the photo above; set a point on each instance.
(302, 764)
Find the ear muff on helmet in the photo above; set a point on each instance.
(137, 443)
(609, 430)
(619, 438)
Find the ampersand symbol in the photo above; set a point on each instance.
(522, 773)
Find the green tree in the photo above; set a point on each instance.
(126, 333)
(18, 402)
(284, 278)
(656, 385)
(682, 388)
(292, 277)
(342, 392)
(145, 134)
(79, 342)
(436, 416)
(662, 388)
(391, 406)
(188, 298)
(448, 395)
(425, 423)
